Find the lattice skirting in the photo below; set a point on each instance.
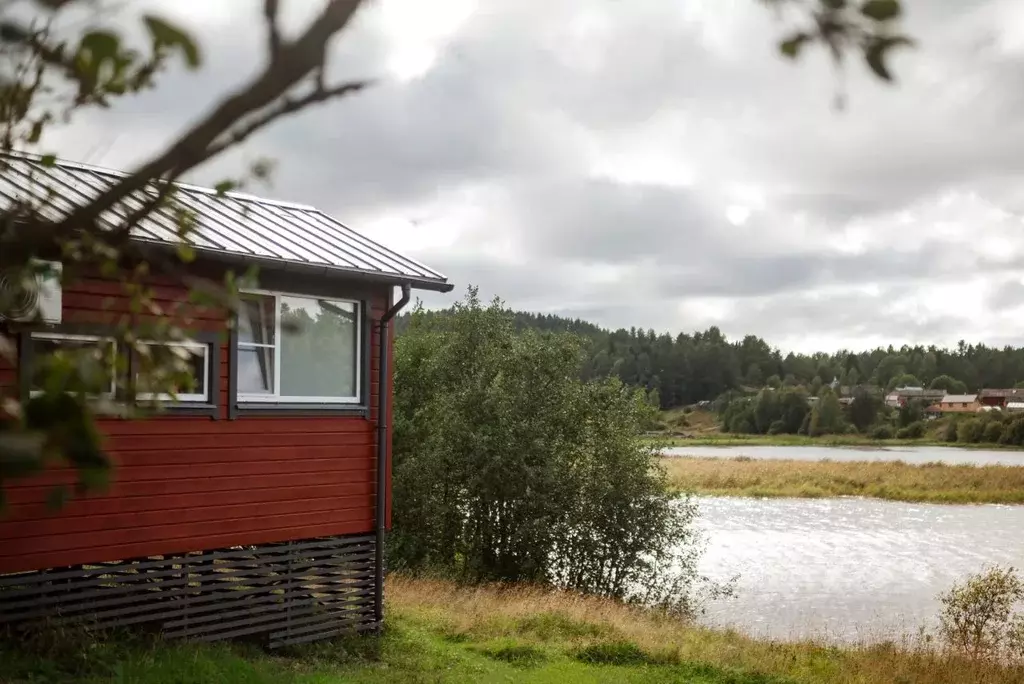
(286, 593)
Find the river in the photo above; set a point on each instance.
(847, 569)
(913, 454)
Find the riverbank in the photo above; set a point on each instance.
(439, 632)
(890, 480)
(853, 441)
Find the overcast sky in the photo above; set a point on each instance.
(650, 162)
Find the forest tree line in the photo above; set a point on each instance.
(688, 368)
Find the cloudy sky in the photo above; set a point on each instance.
(650, 162)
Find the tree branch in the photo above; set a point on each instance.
(283, 108)
(294, 62)
(273, 31)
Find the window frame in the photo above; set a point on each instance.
(58, 336)
(273, 400)
(185, 398)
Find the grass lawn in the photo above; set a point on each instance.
(893, 480)
(439, 632)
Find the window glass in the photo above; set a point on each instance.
(99, 380)
(318, 348)
(196, 356)
(298, 348)
(256, 335)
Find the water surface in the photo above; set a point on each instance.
(847, 568)
(910, 454)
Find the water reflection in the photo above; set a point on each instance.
(847, 568)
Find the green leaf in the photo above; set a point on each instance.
(834, 4)
(876, 51)
(102, 45)
(791, 46)
(225, 187)
(48, 160)
(169, 35)
(881, 10)
(186, 252)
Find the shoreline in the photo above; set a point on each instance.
(835, 441)
(886, 480)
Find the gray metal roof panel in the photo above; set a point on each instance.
(231, 223)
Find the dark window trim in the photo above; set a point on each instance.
(210, 408)
(238, 409)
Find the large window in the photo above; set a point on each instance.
(298, 349)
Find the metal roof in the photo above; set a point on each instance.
(959, 398)
(231, 224)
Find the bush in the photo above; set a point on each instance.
(507, 467)
(777, 428)
(1013, 432)
(970, 431)
(913, 431)
(949, 434)
(882, 432)
(981, 617)
(993, 432)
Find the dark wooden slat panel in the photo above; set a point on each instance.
(286, 593)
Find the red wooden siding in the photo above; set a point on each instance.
(191, 483)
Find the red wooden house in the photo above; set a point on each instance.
(257, 505)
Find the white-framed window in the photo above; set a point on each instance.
(298, 349)
(197, 358)
(46, 344)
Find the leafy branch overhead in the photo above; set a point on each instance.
(870, 27)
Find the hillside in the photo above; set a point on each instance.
(685, 368)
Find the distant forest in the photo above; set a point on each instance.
(691, 367)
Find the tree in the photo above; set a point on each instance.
(949, 384)
(51, 76)
(903, 380)
(864, 409)
(827, 416)
(508, 467)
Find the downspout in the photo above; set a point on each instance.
(382, 453)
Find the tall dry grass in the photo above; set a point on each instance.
(936, 483)
(530, 614)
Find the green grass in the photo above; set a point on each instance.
(439, 632)
(891, 480)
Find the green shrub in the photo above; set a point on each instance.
(982, 618)
(882, 432)
(777, 428)
(1013, 432)
(913, 431)
(949, 434)
(993, 432)
(970, 431)
(508, 467)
